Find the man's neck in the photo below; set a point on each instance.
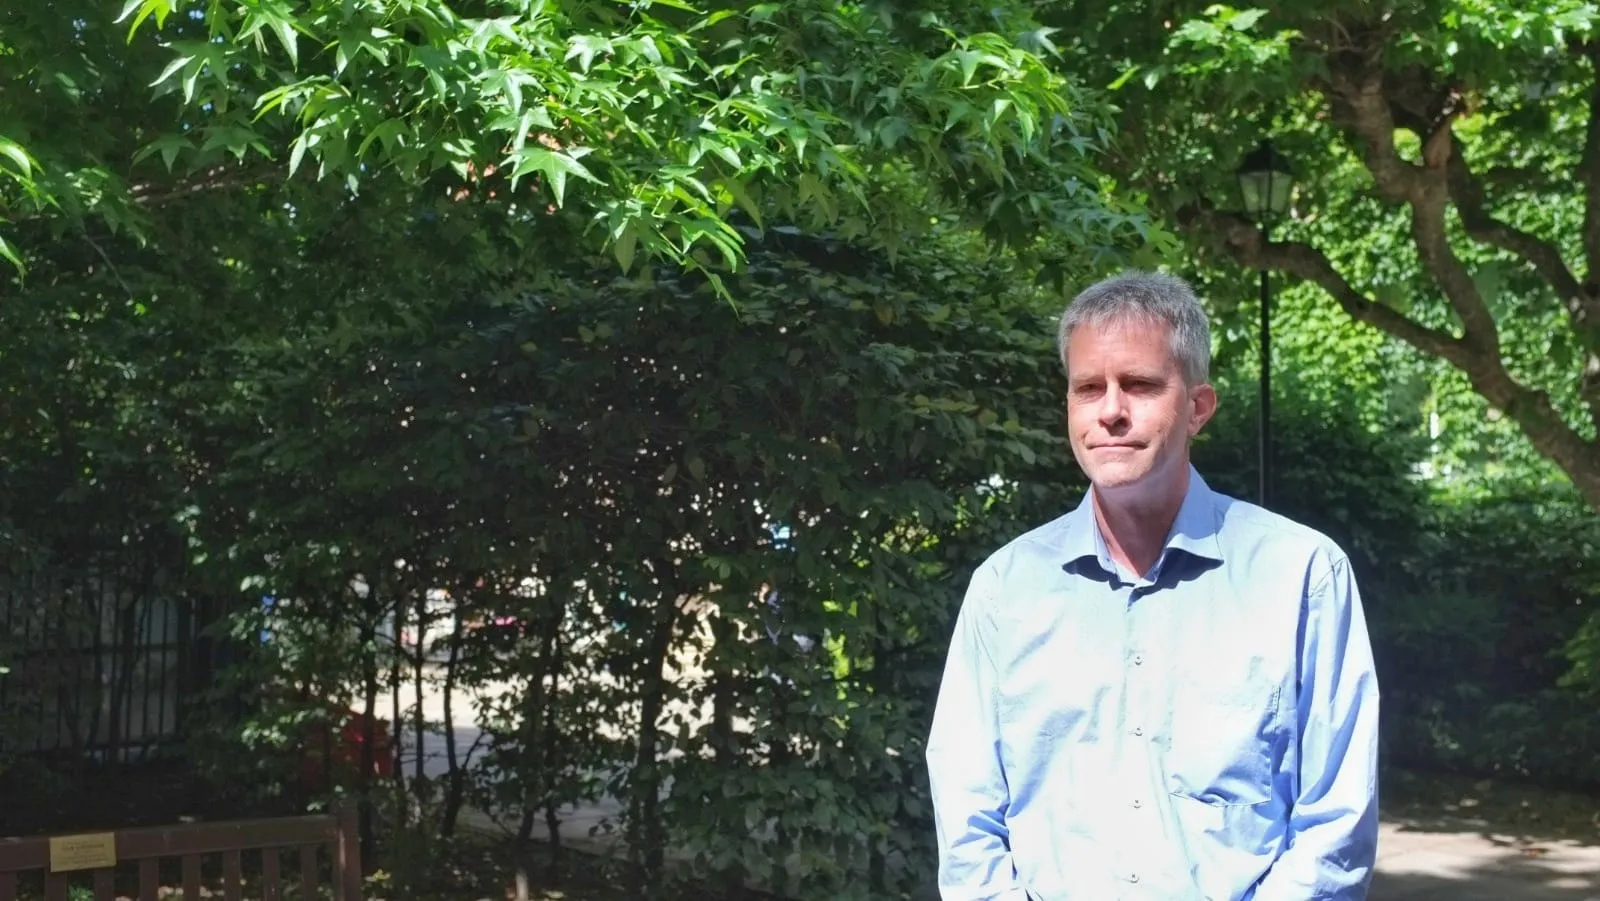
(1136, 521)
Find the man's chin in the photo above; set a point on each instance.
(1112, 476)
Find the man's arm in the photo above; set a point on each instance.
(1332, 841)
(970, 797)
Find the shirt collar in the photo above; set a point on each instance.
(1194, 531)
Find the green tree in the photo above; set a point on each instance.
(659, 125)
(1446, 154)
(633, 444)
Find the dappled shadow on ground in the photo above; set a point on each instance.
(1513, 836)
(1439, 856)
(1504, 813)
(1507, 875)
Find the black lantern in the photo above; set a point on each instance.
(1265, 183)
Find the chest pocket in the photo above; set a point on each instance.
(1228, 725)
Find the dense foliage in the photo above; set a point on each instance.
(659, 125)
(670, 471)
(1446, 155)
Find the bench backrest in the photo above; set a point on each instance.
(319, 844)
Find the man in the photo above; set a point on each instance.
(1166, 693)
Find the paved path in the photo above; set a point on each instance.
(1440, 860)
(1463, 860)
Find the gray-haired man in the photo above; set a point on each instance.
(1166, 693)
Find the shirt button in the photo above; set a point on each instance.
(1138, 659)
(1137, 804)
(1138, 730)
(1133, 877)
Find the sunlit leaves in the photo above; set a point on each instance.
(1201, 84)
(556, 165)
(17, 167)
(663, 120)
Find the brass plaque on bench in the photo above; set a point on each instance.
(83, 852)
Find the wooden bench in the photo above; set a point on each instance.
(144, 850)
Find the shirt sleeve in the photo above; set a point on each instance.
(1332, 839)
(966, 778)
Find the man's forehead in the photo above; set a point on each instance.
(1150, 346)
(1132, 323)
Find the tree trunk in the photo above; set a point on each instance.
(419, 673)
(550, 736)
(648, 829)
(723, 738)
(724, 741)
(457, 793)
(397, 710)
(369, 710)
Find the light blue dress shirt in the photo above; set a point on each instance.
(1207, 734)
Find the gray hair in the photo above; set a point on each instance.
(1150, 298)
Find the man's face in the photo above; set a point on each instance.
(1129, 413)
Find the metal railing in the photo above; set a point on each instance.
(96, 666)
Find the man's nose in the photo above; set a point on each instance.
(1113, 407)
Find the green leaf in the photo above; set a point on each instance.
(627, 242)
(297, 151)
(554, 165)
(10, 254)
(1246, 19)
(712, 20)
(145, 8)
(647, 46)
(168, 145)
(172, 69)
(388, 131)
(1122, 80)
(284, 29)
(585, 47)
(13, 151)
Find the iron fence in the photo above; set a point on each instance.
(96, 666)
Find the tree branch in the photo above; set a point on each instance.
(1358, 101)
(1589, 168)
(1362, 106)
(1521, 178)
(1472, 205)
(1531, 409)
(1583, 310)
(1586, 322)
(1426, 108)
(1243, 241)
(216, 178)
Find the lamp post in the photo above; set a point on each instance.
(1265, 183)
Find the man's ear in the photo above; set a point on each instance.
(1204, 399)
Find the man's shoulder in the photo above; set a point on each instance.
(1042, 545)
(1048, 538)
(1244, 526)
